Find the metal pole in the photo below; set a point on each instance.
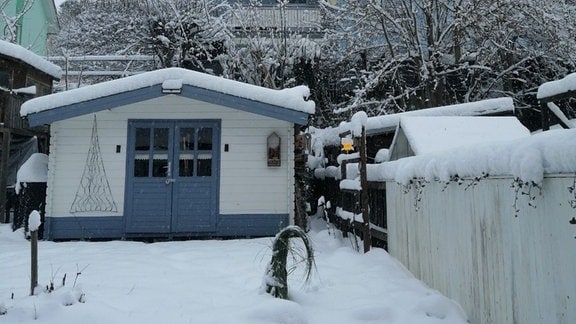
(365, 199)
(33, 261)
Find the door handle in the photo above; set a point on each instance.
(169, 181)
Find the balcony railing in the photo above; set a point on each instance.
(295, 18)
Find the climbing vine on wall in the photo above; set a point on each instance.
(94, 192)
(572, 201)
(525, 188)
(521, 188)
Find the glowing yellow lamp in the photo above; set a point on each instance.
(347, 145)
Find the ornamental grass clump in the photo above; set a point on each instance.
(276, 277)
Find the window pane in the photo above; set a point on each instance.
(160, 139)
(205, 139)
(186, 165)
(141, 168)
(204, 165)
(186, 139)
(142, 139)
(159, 167)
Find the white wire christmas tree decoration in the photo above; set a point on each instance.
(94, 192)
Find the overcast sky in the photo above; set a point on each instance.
(58, 3)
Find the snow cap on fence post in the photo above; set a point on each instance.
(358, 121)
(34, 221)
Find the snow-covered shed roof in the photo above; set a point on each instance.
(434, 134)
(557, 87)
(287, 104)
(20, 53)
(527, 158)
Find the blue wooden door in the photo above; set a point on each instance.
(172, 176)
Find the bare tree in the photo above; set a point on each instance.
(412, 54)
(13, 22)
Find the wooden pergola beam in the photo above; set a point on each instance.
(546, 111)
(557, 97)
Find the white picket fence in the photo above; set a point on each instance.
(470, 243)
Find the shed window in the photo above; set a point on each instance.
(195, 155)
(151, 152)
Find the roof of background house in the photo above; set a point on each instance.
(18, 52)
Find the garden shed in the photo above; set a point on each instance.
(170, 153)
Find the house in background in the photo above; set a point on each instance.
(23, 75)
(170, 153)
(297, 16)
(34, 22)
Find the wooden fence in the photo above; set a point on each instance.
(349, 200)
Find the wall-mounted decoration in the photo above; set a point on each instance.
(273, 144)
(94, 192)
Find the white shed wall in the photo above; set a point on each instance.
(247, 184)
(468, 244)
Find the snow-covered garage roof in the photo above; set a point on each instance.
(287, 104)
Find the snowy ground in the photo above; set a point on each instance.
(216, 281)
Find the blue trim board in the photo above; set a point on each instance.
(91, 106)
(83, 228)
(251, 224)
(243, 104)
(129, 97)
(112, 227)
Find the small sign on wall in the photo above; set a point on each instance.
(273, 144)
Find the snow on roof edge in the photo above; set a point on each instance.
(291, 98)
(556, 87)
(20, 53)
(477, 108)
